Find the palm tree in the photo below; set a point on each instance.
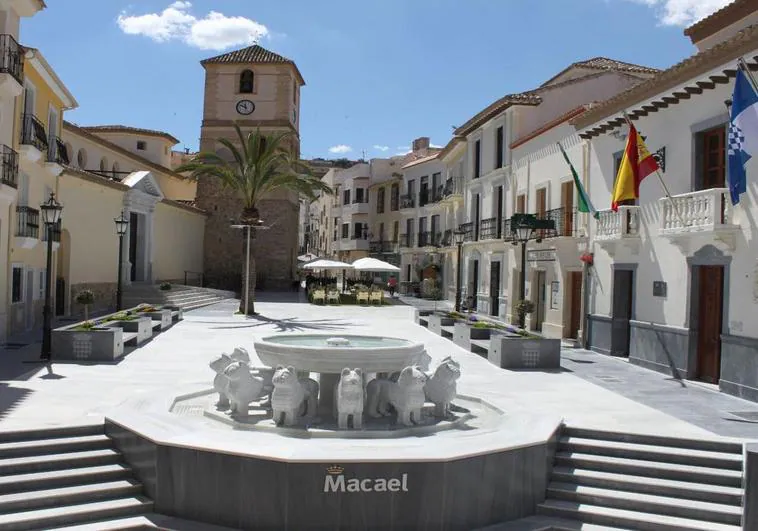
(260, 165)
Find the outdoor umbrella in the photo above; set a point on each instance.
(327, 264)
(307, 257)
(373, 265)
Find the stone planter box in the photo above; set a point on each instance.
(177, 314)
(463, 334)
(436, 321)
(105, 343)
(164, 316)
(142, 326)
(510, 351)
(422, 317)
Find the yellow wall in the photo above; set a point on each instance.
(178, 242)
(176, 189)
(88, 212)
(45, 97)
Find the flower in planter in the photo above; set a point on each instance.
(587, 258)
(85, 298)
(472, 318)
(165, 286)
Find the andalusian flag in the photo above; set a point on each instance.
(636, 164)
(585, 205)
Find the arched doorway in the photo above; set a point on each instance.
(63, 268)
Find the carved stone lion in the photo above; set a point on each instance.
(441, 388)
(240, 354)
(292, 397)
(349, 397)
(220, 381)
(406, 396)
(242, 388)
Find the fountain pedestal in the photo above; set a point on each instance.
(327, 383)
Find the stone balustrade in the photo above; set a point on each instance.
(625, 223)
(701, 211)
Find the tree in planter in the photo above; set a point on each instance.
(523, 308)
(86, 297)
(261, 164)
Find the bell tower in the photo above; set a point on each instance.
(257, 89)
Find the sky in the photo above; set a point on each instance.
(378, 73)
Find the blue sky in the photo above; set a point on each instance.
(378, 73)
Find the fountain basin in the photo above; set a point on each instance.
(329, 354)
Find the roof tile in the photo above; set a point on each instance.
(251, 54)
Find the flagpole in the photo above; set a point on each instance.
(742, 65)
(663, 184)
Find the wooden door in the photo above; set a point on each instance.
(714, 159)
(539, 312)
(567, 202)
(710, 282)
(575, 290)
(495, 288)
(623, 294)
(521, 204)
(541, 208)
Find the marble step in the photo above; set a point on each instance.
(548, 523)
(146, 521)
(54, 445)
(710, 445)
(51, 433)
(20, 465)
(648, 503)
(636, 467)
(649, 485)
(49, 479)
(638, 521)
(71, 514)
(650, 452)
(70, 495)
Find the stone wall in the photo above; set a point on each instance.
(105, 298)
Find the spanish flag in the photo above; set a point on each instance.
(636, 164)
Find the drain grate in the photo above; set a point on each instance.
(188, 410)
(610, 379)
(750, 416)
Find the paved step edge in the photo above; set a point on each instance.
(51, 433)
(71, 514)
(57, 445)
(63, 477)
(725, 446)
(69, 495)
(17, 465)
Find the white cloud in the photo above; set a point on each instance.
(215, 31)
(435, 146)
(381, 148)
(340, 149)
(683, 12)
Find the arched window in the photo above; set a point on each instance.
(262, 145)
(81, 159)
(114, 169)
(247, 79)
(103, 165)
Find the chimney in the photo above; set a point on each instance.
(421, 143)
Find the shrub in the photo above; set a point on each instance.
(523, 308)
(85, 298)
(165, 286)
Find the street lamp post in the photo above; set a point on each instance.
(122, 224)
(523, 227)
(51, 214)
(459, 236)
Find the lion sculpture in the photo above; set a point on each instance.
(349, 397)
(406, 396)
(242, 387)
(220, 381)
(441, 387)
(293, 397)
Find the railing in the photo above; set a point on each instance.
(507, 232)
(382, 246)
(488, 229)
(360, 200)
(11, 58)
(424, 239)
(27, 222)
(406, 240)
(194, 276)
(468, 231)
(407, 201)
(359, 236)
(423, 197)
(33, 132)
(438, 194)
(56, 231)
(453, 186)
(618, 225)
(436, 239)
(57, 152)
(566, 222)
(9, 171)
(701, 211)
(394, 203)
(447, 238)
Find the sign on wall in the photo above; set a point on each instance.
(541, 255)
(660, 288)
(555, 295)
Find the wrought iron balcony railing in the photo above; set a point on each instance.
(566, 222)
(27, 222)
(407, 201)
(382, 246)
(424, 239)
(468, 231)
(447, 238)
(9, 171)
(11, 58)
(453, 186)
(33, 132)
(57, 152)
(406, 240)
(56, 232)
(488, 229)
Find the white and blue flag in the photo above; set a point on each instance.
(742, 143)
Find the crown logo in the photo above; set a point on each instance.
(335, 470)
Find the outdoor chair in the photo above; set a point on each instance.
(362, 296)
(318, 295)
(333, 296)
(376, 296)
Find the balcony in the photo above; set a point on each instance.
(358, 206)
(453, 189)
(27, 227)
(447, 238)
(8, 172)
(11, 67)
(424, 239)
(33, 140)
(57, 155)
(566, 223)
(407, 201)
(616, 230)
(382, 246)
(488, 229)
(695, 219)
(406, 240)
(468, 231)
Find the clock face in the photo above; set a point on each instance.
(245, 107)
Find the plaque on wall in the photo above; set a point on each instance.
(541, 255)
(555, 295)
(659, 288)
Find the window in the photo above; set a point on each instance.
(380, 201)
(346, 197)
(262, 145)
(358, 231)
(81, 159)
(247, 82)
(477, 159)
(141, 145)
(115, 171)
(103, 165)
(395, 231)
(499, 147)
(521, 204)
(345, 230)
(359, 194)
(294, 92)
(713, 159)
(394, 197)
(17, 283)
